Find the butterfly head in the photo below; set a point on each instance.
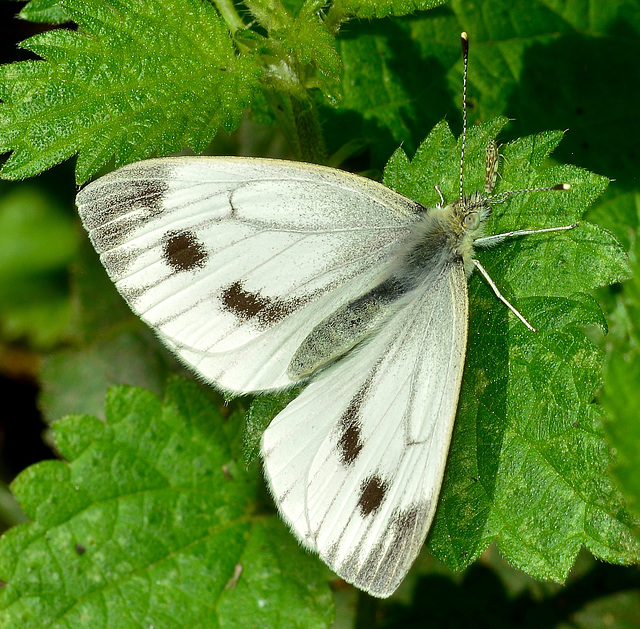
(471, 212)
(465, 219)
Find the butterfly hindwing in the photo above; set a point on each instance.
(234, 261)
(355, 463)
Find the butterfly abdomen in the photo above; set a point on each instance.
(345, 328)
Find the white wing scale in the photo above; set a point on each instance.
(175, 236)
(379, 422)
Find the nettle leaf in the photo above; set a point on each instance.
(49, 11)
(298, 30)
(308, 39)
(263, 409)
(621, 394)
(159, 76)
(528, 462)
(152, 522)
(136, 79)
(383, 8)
(112, 347)
(398, 80)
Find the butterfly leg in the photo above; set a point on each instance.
(500, 296)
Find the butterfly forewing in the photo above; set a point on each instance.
(234, 262)
(355, 463)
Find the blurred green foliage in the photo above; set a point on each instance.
(125, 86)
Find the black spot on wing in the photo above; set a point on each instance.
(182, 251)
(349, 442)
(251, 306)
(372, 493)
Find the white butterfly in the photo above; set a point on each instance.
(261, 274)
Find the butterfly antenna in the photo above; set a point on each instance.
(464, 39)
(503, 196)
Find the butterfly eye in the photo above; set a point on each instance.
(471, 221)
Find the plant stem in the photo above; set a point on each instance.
(229, 15)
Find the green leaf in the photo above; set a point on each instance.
(263, 409)
(74, 380)
(157, 76)
(49, 11)
(301, 34)
(383, 8)
(392, 89)
(528, 462)
(621, 399)
(621, 396)
(152, 523)
(112, 347)
(136, 79)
